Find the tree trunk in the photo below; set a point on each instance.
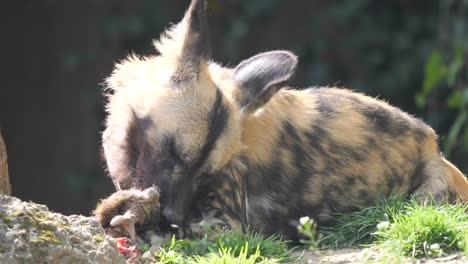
(5, 187)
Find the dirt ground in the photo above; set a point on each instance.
(353, 255)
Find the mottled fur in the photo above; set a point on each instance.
(241, 143)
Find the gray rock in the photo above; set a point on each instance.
(30, 233)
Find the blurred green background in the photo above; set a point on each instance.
(56, 53)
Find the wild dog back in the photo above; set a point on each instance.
(319, 150)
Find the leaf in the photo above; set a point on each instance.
(455, 131)
(465, 96)
(455, 99)
(465, 137)
(455, 66)
(420, 100)
(435, 71)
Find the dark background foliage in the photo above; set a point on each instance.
(57, 52)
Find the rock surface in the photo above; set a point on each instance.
(30, 233)
(368, 255)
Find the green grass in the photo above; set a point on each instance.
(425, 230)
(399, 227)
(227, 256)
(228, 246)
(356, 228)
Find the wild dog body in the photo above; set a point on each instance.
(315, 151)
(240, 144)
(330, 150)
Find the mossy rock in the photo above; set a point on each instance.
(30, 233)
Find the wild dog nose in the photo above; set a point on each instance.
(173, 219)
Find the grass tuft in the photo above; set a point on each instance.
(425, 230)
(356, 228)
(402, 228)
(228, 246)
(228, 256)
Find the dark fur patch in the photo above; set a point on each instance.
(196, 47)
(394, 180)
(135, 139)
(379, 117)
(292, 139)
(385, 121)
(419, 133)
(316, 135)
(417, 177)
(350, 153)
(217, 122)
(365, 198)
(371, 142)
(363, 180)
(326, 108)
(280, 225)
(350, 181)
(223, 193)
(452, 196)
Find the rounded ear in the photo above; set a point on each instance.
(261, 76)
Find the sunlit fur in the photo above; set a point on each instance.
(305, 152)
(139, 87)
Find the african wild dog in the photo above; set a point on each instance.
(240, 143)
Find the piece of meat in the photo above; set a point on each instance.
(127, 248)
(128, 212)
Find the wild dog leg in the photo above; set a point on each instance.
(222, 199)
(441, 181)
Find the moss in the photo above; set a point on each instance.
(43, 222)
(99, 238)
(7, 218)
(16, 213)
(47, 236)
(44, 226)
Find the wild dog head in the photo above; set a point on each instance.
(170, 124)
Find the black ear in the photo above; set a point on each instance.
(196, 47)
(261, 76)
(197, 41)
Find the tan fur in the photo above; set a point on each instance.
(458, 181)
